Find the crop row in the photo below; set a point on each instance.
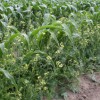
(45, 44)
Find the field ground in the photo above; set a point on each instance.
(89, 89)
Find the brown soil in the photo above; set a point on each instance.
(89, 88)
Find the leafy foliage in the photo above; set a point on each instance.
(46, 44)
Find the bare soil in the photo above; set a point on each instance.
(89, 88)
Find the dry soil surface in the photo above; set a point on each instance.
(89, 88)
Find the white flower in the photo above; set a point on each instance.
(49, 58)
(43, 82)
(59, 64)
(58, 51)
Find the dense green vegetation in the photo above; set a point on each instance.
(45, 44)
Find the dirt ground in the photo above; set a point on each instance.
(89, 88)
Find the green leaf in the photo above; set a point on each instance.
(92, 9)
(40, 52)
(1, 49)
(66, 30)
(13, 28)
(35, 31)
(1, 8)
(4, 17)
(7, 75)
(73, 8)
(26, 38)
(11, 8)
(48, 18)
(3, 23)
(1, 53)
(54, 36)
(11, 39)
(2, 46)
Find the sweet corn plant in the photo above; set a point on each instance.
(45, 45)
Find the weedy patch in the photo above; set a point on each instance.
(46, 44)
